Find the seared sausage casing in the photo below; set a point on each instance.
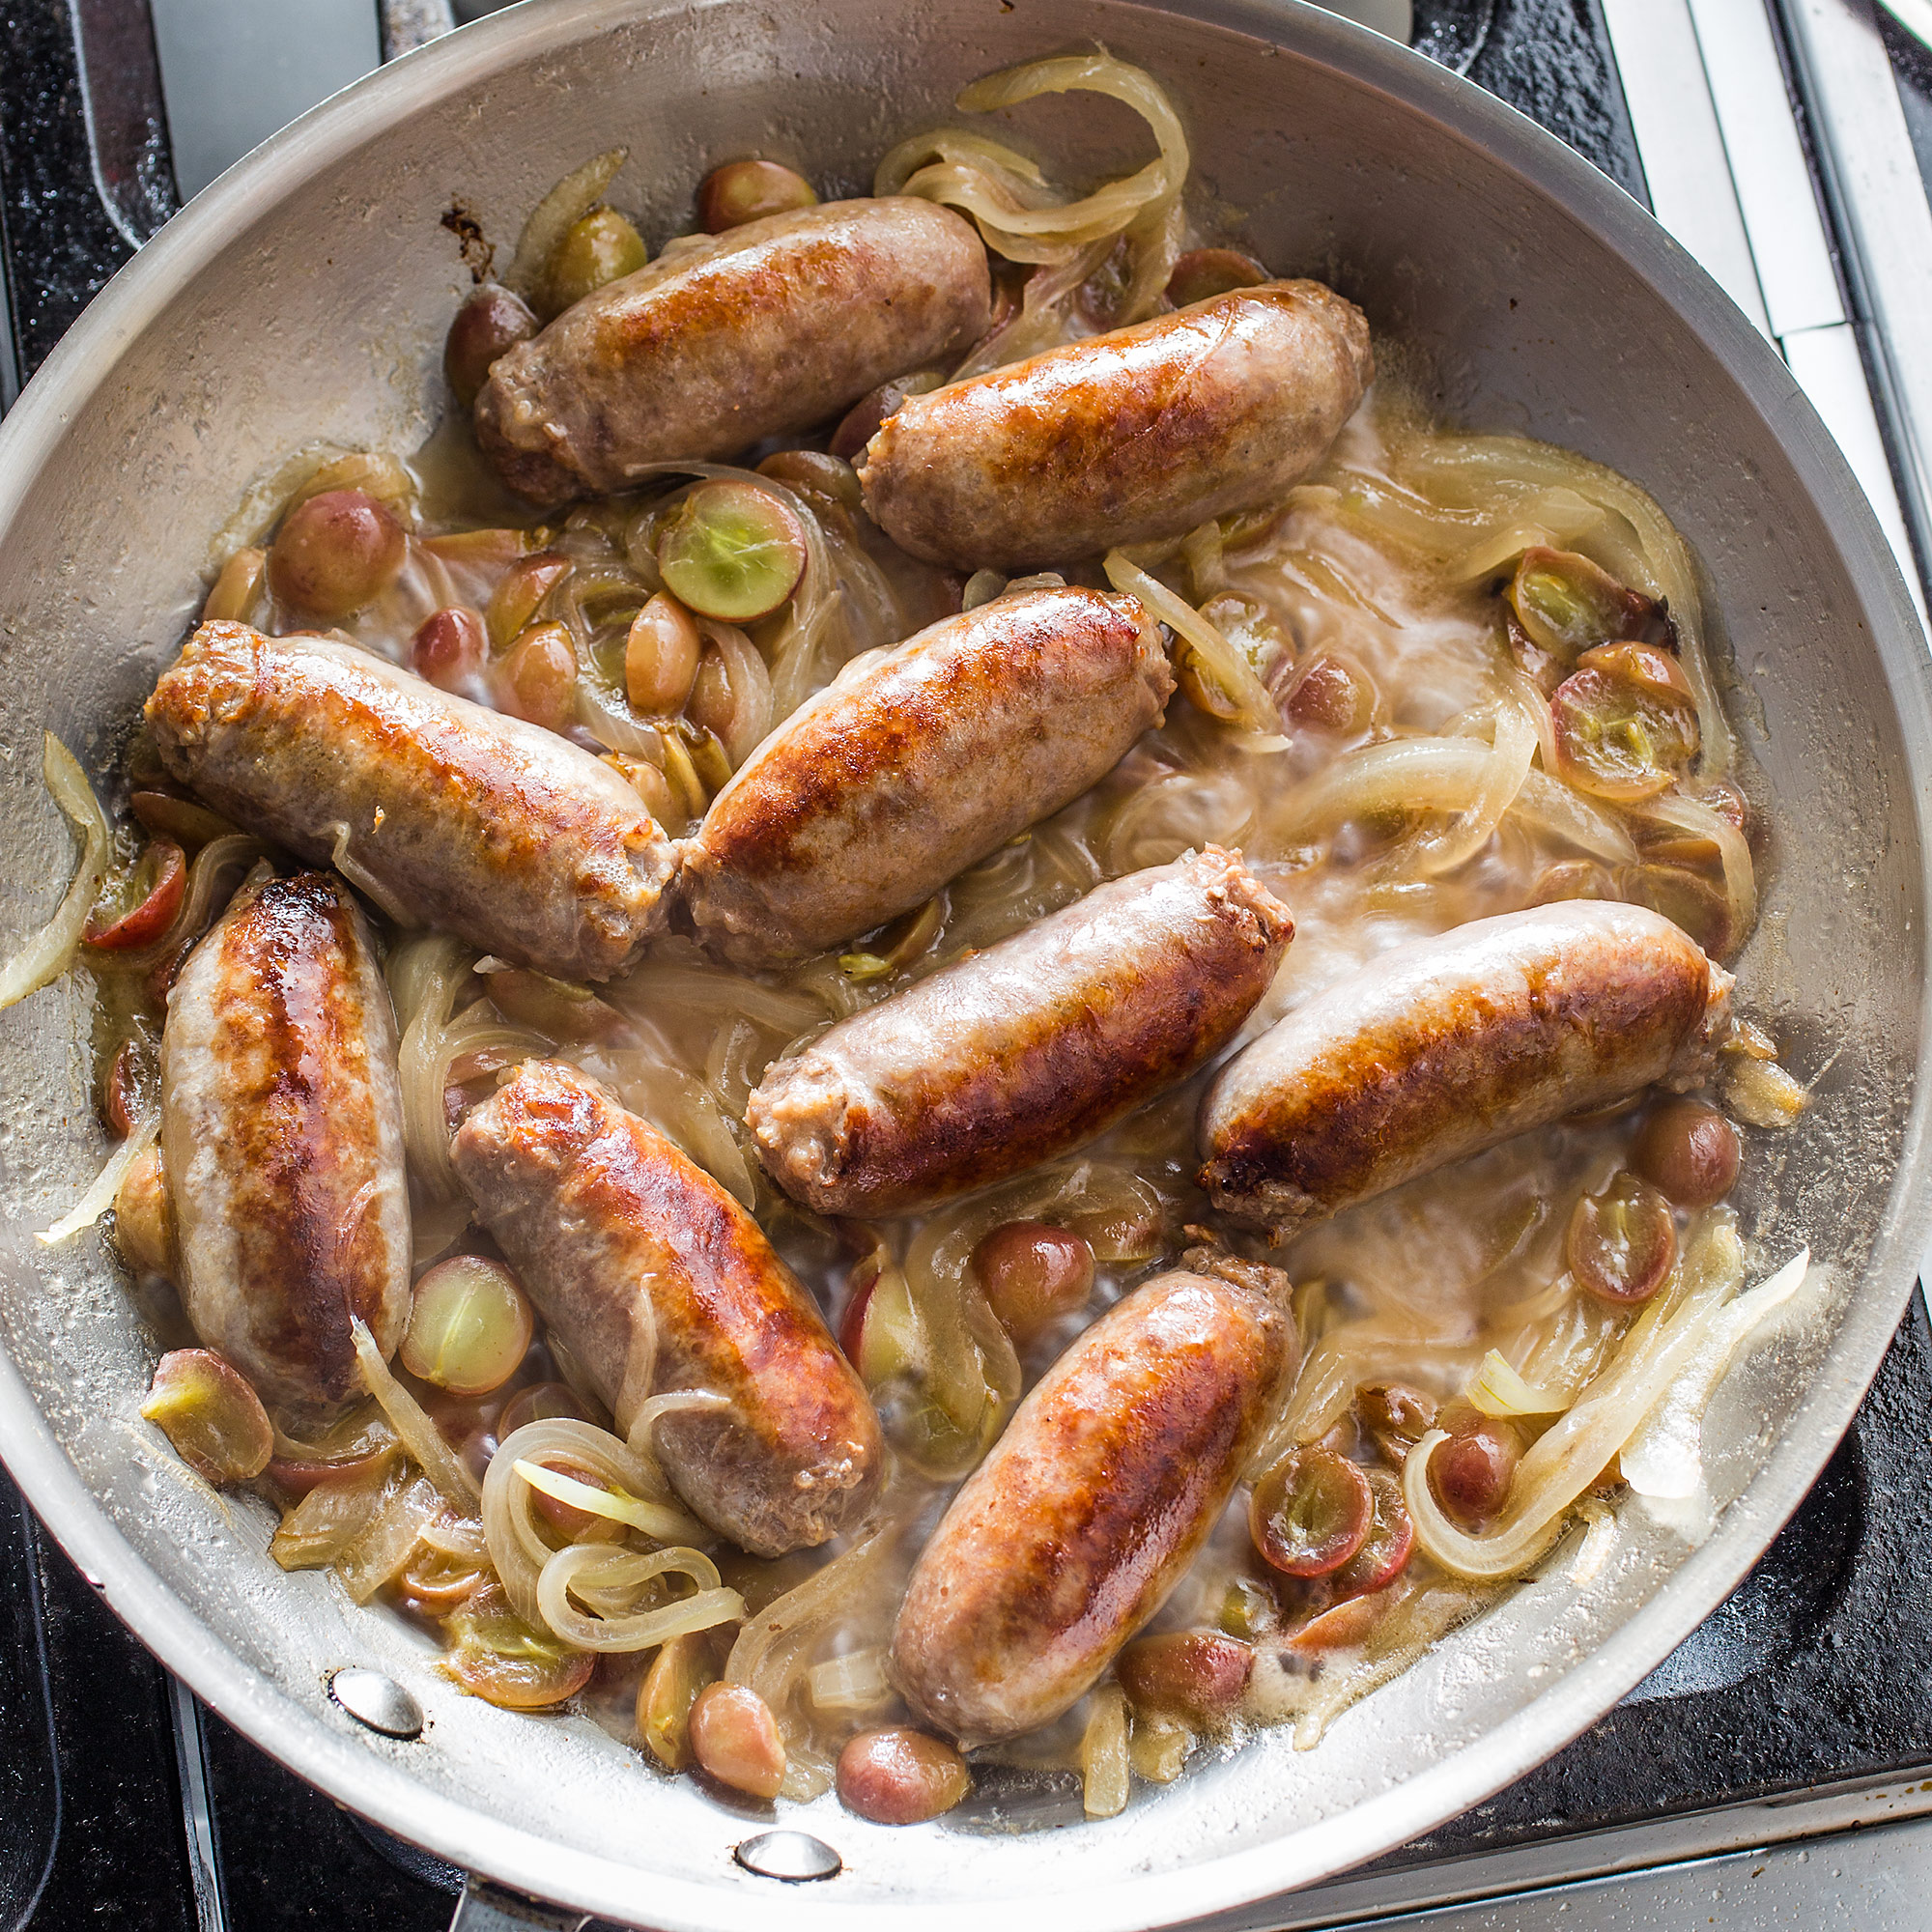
(448, 814)
(282, 1141)
(1144, 433)
(616, 1234)
(1072, 1532)
(725, 339)
(1021, 1052)
(1445, 1046)
(917, 761)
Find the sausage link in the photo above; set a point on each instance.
(1024, 1051)
(764, 329)
(917, 761)
(282, 1141)
(1445, 1046)
(1126, 438)
(1073, 1531)
(618, 1237)
(453, 815)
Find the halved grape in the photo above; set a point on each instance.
(1311, 1512)
(469, 1326)
(731, 550)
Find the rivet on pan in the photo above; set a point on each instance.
(795, 1856)
(377, 1701)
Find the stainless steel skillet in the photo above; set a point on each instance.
(304, 296)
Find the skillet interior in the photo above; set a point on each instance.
(305, 297)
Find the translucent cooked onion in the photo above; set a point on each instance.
(51, 950)
(1568, 1458)
(365, 882)
(101, 1190)
(657, 1521)
(437, 1461)
(770, 1653)
(1437, 774)
(1653, 558)
(1103, 1754)
(586, 1566)
(517, 1550)
(1497, 1389)
(1664, 1458)
(750, 683)
(388, 1541)
(556, 215)
(674, 1401)
(213, 876)
(1692, 815)
(658, 991)
(1512, 748)
(1225, 666)
(1019, 215)
(851, 1685)
(456, 1536)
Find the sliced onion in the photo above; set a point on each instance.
(211, 880)
(458, 1536)
(518, 1551)
(1439, 775)
(1692, 815)
(850, 1685)
(1017, 215)
(1568, 1458)
(556, 215)
(657, 1521)
(1665, 1456)
(674, 1401)
(1499, 1390)
(385, 1545)
(1103, 1754)
(101, 1193)
(363, 880)
(587, 1564)
(770, 1649)
(52, 949)
(437, 1461)
(1512, 748)
(1255, 708)
(750, 683)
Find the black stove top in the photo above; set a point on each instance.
(122, 1804)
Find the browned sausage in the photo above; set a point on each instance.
(766, 328)
(1125, 437)
(1445, 1046)
(282, 1141)
(917, 761)
(616, 1234)
(448, 814)
(1025, 1050)
(1071, 1535)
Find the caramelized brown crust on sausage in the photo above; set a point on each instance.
(1445, 1046)
(1089, 1508)
(767, 329)
(613, 1231)
(916, 763)
(455, 816)
(1141, 434)
(1025, 1050)
(282, 1141)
